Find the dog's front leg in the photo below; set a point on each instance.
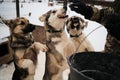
(40, 47)
(28, 65)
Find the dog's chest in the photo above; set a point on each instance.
(19, 53)
(59, 44)
(79, 40)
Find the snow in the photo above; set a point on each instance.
(8, 11)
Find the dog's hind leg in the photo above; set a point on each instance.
(29, 66)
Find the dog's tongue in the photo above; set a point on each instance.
(62, 16)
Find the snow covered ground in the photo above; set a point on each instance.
(8, 11)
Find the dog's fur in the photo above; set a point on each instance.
(75, 26)
(112, 24)
(59, 44)
(25, 50)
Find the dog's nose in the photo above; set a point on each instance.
(32, 27)
(29, 28)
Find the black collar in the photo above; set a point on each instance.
(77, 35)
(52, 30)
(19, 44)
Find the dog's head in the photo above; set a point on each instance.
(54, 19)
(19, 25)
(75, 26)
(20, 29)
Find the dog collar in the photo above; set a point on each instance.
(76, 35)
(52, 30)
(14, 45)
(19, 44)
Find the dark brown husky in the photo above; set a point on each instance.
(24, 48)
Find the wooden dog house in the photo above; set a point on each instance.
(5, 51)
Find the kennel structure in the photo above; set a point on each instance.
(5, 51)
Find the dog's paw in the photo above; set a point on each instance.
(39, 46)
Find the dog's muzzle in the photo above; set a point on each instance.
(29, 28)
(65, 7)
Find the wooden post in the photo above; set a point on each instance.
(17, 9)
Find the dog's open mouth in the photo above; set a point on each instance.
(62, 16)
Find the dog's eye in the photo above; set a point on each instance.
(78, 27)
(54, 11)
(22, 23)
(72, 27)
(82, 27)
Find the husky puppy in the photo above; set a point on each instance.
(24, 49)
(59, 44)
(75, 26)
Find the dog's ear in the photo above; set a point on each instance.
(44, 16)
(67, 24)
(85, 24)
(8, 22)
(67, 21)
